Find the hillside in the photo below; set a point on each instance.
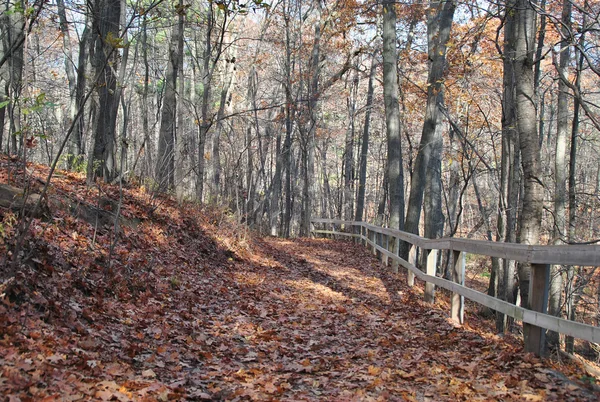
(182, 303)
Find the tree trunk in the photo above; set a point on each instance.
(531, 215)
(364, 148)
(75, 141)
(560, 173)
(509, 174)
(165, 161)
(439, 24)
(348, 168)
(308, 149)
(287, 145)
(392, 117)
(105, 23)
(215, 180)
(15, 30)
(148, 144)
(274, 209)
(572, 236)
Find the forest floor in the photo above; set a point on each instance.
(185, 304)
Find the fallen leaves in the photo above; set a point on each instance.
(181, 316)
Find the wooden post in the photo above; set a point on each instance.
(386, 245)
(394, 249)
(374, 240)
(431, 268)
(457, 310)
(412, 258)
(538, 301)
(379, 242)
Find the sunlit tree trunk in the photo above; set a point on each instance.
(439, 24)
(392, 116)
(75, 142)
(104, 49)
(348, 212)
(560, 172)
(215, 178)
(274, 209)
(531, 215)
(165, 161)
(13, 31)
(510, 165)
(572, 217)
(308, 146)
(287, 145)
(364, 148)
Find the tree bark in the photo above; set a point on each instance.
(364, 148)
(308, 146)
(392, 117)
(348, 168)
(439, 24)
(75, 142)
(510, 162)
(531, 215)
(560, 172)
(105, 24)
(165, 161)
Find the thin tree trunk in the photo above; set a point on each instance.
(560, 173)
(364, 149)
(75, 142)
(165, 162)
(106, 19)
(308, 155)
(395, 172)
(349, 150)
(572, 236)
(439, 24)
(274, 209)
(509, 174)
(531, 215)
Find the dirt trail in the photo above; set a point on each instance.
(289, 320)
(345, 328)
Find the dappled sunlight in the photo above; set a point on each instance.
(316, 290)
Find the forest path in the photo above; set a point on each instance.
(290, 320)
(346, 328)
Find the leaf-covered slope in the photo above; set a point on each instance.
(193, 307)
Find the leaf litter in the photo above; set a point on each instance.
(196, 307)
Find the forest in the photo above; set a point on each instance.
(474, 119)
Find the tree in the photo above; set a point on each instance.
(439, 23)
(392, 116)
(533, 191)
(104, 47)
(560, 169)
(364, 147)
(165, 163)
(509, 199)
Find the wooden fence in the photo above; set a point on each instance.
(385, 242)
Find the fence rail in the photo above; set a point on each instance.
(385, 243)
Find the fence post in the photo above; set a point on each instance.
(457, 310)
(374, 240)
(431, 268)
(394, 249)
(385, 245)
(538, 301)
(412, 259)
